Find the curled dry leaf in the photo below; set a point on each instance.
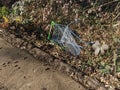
(105, 46)
(99, 48)
(95, 45)
(102, 51)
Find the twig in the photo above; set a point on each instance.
(109, 3)
(105, 4)
(117, 7)
(116, 17)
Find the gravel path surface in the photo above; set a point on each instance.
(20, 71)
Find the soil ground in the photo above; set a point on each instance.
(20, 71)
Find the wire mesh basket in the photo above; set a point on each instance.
(65, 38)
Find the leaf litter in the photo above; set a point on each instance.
(100, 60)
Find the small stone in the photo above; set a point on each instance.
(12, 36)
(16, 65)
(29, 46)
(23, 48)
(19, 67)
(8, 62)
(18, 42)
(16, 62)
(24, 77)
(101, 88)
(44, 89)
(25, 58)
(47, 69)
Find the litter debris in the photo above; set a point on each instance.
(65, 37)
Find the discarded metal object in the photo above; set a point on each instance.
(64, 36)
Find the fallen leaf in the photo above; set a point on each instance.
(102, 51)
(105, 47)
(97, 50)
(95, 45)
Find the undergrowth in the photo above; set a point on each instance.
(98, 20)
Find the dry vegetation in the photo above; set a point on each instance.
(98, 20)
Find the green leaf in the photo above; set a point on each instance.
(3, 11)
(52, 23)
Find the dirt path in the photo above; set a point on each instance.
(20, 71)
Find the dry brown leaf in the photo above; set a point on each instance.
(95, 45)
(97, 50)
(105, 47)
(102, 51)
(100, 48)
